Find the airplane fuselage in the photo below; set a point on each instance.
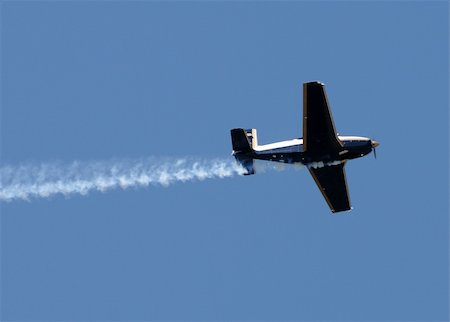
(292, 151)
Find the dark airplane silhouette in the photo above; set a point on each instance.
(323, 151)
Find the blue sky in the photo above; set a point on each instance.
(102, 80)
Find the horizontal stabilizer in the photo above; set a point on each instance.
(240, 141)
(246, 162)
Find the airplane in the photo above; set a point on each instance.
(321, 149)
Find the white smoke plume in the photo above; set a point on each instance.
(320, 164)
(45, 180)
(262, 166)
(48, 179)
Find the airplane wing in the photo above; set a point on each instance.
(319, 133)
(333, 185)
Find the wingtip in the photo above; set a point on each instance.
(315, 83)
(334, 212)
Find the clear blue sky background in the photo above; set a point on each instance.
(100, 80)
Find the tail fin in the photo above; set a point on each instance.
(244, 141)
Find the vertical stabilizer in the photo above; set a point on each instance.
(252, 137)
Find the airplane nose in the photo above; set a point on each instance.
(375, 144)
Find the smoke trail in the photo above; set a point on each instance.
(45, 180)
(320, 164)
(263, 166)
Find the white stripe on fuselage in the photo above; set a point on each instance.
(352, 138)
(278, 145)
(298, 143)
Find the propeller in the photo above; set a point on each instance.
(374, 145)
